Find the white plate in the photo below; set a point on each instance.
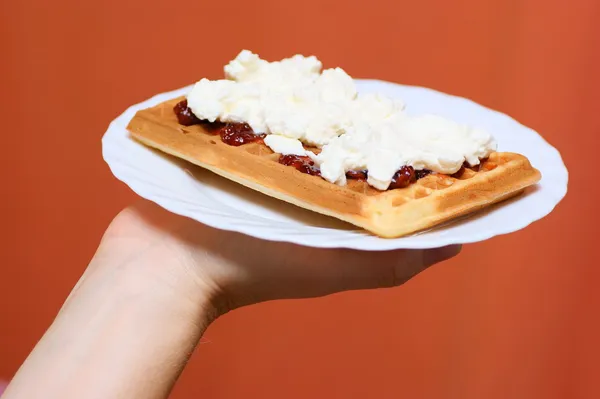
(190, 191)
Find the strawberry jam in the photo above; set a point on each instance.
(399, 178)
(237, 134)
(403, 177)
(185, 116)
(419, 174)
(357, 174)
(459, 172)
(302, 164)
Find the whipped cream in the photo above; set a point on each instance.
(291, 98)
(285, 145)
(422, 141)
(294, 102)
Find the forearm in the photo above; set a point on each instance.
(121, 333)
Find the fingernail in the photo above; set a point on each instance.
(437, 255)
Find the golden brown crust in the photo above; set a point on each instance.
(430, 201)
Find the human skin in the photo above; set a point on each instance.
(158, 280)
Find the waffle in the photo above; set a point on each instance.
(428, 202)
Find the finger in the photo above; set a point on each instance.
(358, 270)
(438, 255)
(394, 268)
(407, 269)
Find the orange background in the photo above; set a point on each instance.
(513, 317)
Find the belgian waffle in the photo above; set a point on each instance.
(428, 202)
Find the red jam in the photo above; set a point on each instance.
(403, 177)
(302, 164)
(419, 174)
(399, 178)
(459, 172)
(237, 134)
(213, 127)
(185, 116)
(357, 174)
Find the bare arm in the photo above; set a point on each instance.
(158, 280)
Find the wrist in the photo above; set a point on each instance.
(124, 320)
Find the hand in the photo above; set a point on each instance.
(156, 282)
(234, 270)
